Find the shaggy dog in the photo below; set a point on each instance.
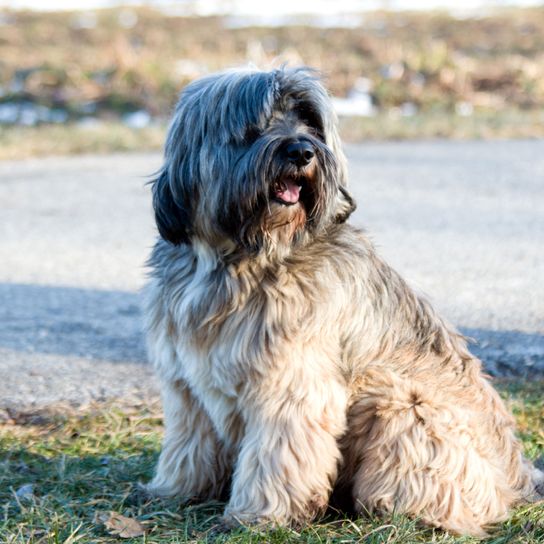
(293, 360)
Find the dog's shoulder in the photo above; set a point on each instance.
(345, 239)
(170, 260)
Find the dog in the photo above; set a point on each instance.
(293, 360)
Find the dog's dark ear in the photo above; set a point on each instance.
(172, 213)
(345, 205)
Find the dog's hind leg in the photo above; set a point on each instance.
(192, 463)
(452, 461)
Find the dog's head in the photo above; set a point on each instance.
(252, 162)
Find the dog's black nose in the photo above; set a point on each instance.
(300, 152)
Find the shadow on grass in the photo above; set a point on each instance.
(61, 493)
(54, 495)
(70, 496)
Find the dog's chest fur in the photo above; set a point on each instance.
(220, 327)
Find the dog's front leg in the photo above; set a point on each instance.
(192, 463)
(288, 457)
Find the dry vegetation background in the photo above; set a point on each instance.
(427, 74)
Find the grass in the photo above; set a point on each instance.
(113, 136)
(93, 64)
(428, 58)
(508, 124)
(83, 465)
(45, 140)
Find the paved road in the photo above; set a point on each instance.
(464, 222)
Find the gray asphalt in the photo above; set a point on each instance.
(463, 222)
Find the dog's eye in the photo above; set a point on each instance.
(311, 119)
(316, 133)
(251, 134)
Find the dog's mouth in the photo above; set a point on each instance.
(287, 190)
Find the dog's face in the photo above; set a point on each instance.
(252, 162)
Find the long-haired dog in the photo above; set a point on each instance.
(293, 360)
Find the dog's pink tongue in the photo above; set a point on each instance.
(290, 193)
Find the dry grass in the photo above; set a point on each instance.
(493, 66)
(114, 136)
(44, 140)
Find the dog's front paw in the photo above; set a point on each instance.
(233, 520)
(150, 491)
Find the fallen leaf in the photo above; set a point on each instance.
(119, 525)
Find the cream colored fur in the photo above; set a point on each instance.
(285, 376)
(293, 360)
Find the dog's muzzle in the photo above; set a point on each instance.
(297, 154)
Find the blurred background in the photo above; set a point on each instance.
(85, 98)
(105, 77)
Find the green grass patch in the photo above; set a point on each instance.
(61, 474)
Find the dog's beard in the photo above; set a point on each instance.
(272, 202)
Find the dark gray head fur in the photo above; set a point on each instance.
(225, 150)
